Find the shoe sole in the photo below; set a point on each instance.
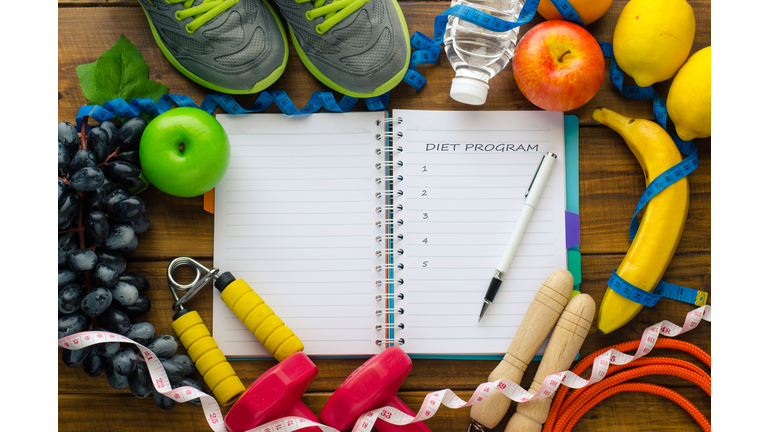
(259, 86)
(387, 86)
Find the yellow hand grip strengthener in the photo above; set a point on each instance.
(248, 306)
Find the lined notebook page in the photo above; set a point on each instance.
(294, 217)
(465, 176)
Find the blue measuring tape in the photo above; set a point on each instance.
(568, 12)
(120, 108)
(666, 179)
(426, 50)
(635, 92)
(661, 182)
(663, 289)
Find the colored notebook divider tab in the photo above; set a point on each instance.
(319, 100)
(510, 389)
(572, 234)
(160, 381)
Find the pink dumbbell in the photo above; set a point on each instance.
(275, 394)
(372, 385)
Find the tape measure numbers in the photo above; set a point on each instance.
(663, 289)
(510, 389)
(156, 371)
(391, 415)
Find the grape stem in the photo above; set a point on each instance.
(80, 228)
(83, 135)
(110, 157)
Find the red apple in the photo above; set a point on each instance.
(558, 65)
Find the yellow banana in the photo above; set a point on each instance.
(662, 223)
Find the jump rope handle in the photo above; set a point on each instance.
(543, 312)
(569, 334)
(258, 317)
(208, 358)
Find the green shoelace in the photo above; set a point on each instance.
(332, 13)
(204, 12)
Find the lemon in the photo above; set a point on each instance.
(689, 102)
(653, 38)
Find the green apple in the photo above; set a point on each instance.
(184, 152)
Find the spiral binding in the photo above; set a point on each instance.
(380, 165)
(386, 135)
(400, 326)
(385, 222)
(388, 150)
(389, 193)
(389, 178)
(387, 225)
(389, 281)
(381, 252)
(399, 311)
(390, 341)
(389, 237)
(398, 296)
(389, 207)
(398, 266)
(389, 120)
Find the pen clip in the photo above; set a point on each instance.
(533, 180)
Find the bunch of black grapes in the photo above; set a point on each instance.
(99, 218)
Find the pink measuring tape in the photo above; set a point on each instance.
(156, 371)
(431, 402)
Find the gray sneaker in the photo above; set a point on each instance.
(359, 48)
(231, 46)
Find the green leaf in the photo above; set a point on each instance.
(120, 72)
(138, 189)
(85, 76)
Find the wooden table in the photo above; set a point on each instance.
(610, 184)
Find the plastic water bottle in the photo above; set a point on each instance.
(477, 54)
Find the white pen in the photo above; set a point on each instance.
(532, 196)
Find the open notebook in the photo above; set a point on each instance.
(361, 231)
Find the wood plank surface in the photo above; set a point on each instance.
(129, 20)
(610, 184)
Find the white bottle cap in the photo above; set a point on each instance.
(469, 91)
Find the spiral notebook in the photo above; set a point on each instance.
(363, 231)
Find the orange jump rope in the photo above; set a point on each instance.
(565, 412)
